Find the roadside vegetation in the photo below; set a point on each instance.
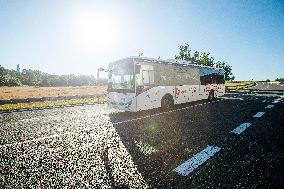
(7, 93)
(203, 58)
(45, 104)
(28, 77)
(27, 83)
(233, 85)
(281, 80)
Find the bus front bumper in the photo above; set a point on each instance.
(121, 106)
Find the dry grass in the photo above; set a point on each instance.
(239, 84)
(7, 93)
(33, 105)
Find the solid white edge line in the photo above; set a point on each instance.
(37, 118)
(198, 159)
(241, 128)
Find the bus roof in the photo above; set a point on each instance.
(169, 61)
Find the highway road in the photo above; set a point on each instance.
(232, 142)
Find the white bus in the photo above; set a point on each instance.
(139, 83)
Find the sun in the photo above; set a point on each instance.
(95, 31)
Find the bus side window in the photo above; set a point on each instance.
(151, 76)
(145, 77)
(148, 77)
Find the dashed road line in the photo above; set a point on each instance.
(276, 100)
(198, 159)
(269, 106)
(241, 128)
(232, 98)
(232, 93)
(259, 114)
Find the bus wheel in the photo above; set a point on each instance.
(211, 95)
(167, 102)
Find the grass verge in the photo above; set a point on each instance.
(239, 85)
(36, 105)
(7, 93)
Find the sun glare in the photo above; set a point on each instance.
(95, 31)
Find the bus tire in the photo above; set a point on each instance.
(167, 102)
(211, 95)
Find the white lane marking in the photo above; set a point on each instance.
(233, 98)
(259, 114)
(232, 93)
(188, 166)
(38, 118)
(33, 140)
(241, 128)
(274, 102)
(269, 106)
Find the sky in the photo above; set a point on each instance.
(78, 37)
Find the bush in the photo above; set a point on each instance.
(13, 81)
(281, 80)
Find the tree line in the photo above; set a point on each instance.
(10, 77)
(203, 58)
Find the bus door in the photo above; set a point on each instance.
(145, 100)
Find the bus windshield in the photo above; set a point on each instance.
(122, 76)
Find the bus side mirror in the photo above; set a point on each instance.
(137, 68)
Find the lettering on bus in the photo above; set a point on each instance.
(180, 91)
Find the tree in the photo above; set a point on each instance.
(10, 77)
(203, 58)
(3, 76)
(18, 68)
(14, 81)
(206, 60)
(184, 53)
(280, 80)
(227, 69)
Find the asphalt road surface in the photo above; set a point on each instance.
(268, 86)
(233, 142)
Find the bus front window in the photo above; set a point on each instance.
(123, 82)
(122, 77)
